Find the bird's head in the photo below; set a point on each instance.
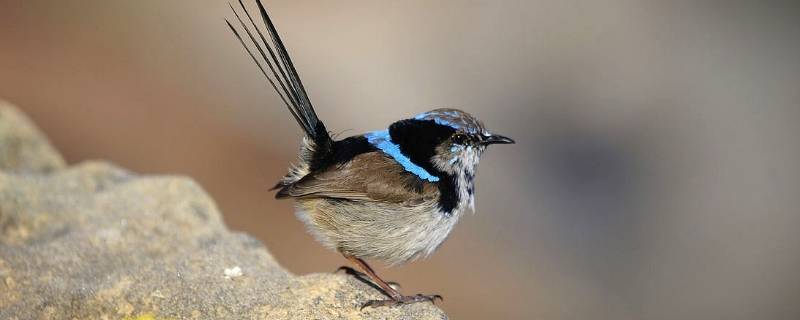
(448, 140)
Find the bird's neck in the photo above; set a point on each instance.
(459, 187)
(458, 190)
(465, 184)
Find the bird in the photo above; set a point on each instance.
(392, 195)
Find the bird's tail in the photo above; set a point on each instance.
(284, 78)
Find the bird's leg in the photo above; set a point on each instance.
(364, 278)
(395, 297)
(368, 272)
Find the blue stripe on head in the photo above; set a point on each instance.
(445, 122)
(382, 141)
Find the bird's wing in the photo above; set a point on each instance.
(369, 176)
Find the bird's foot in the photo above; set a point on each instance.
(401, 300)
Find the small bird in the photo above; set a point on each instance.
(392, 195)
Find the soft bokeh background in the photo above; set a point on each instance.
(657, 170)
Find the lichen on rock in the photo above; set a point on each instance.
(95, 241)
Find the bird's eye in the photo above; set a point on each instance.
(459, 138)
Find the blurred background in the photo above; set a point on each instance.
(656, 173)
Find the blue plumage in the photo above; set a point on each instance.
(442, 120)
(382, 140)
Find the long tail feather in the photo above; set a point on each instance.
(282, 79)
(291, 110)
(287, 62)
(291, 91)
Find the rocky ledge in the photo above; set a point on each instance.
(94, 241)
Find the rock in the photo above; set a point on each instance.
(22, 147)
(94, 241)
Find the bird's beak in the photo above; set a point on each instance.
(497, 139)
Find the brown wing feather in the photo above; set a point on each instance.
(370, 176)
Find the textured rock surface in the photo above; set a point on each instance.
(94, 241)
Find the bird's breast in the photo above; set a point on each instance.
(391, 232)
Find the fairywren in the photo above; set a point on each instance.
(392, 195)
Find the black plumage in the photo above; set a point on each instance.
(418, 140)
